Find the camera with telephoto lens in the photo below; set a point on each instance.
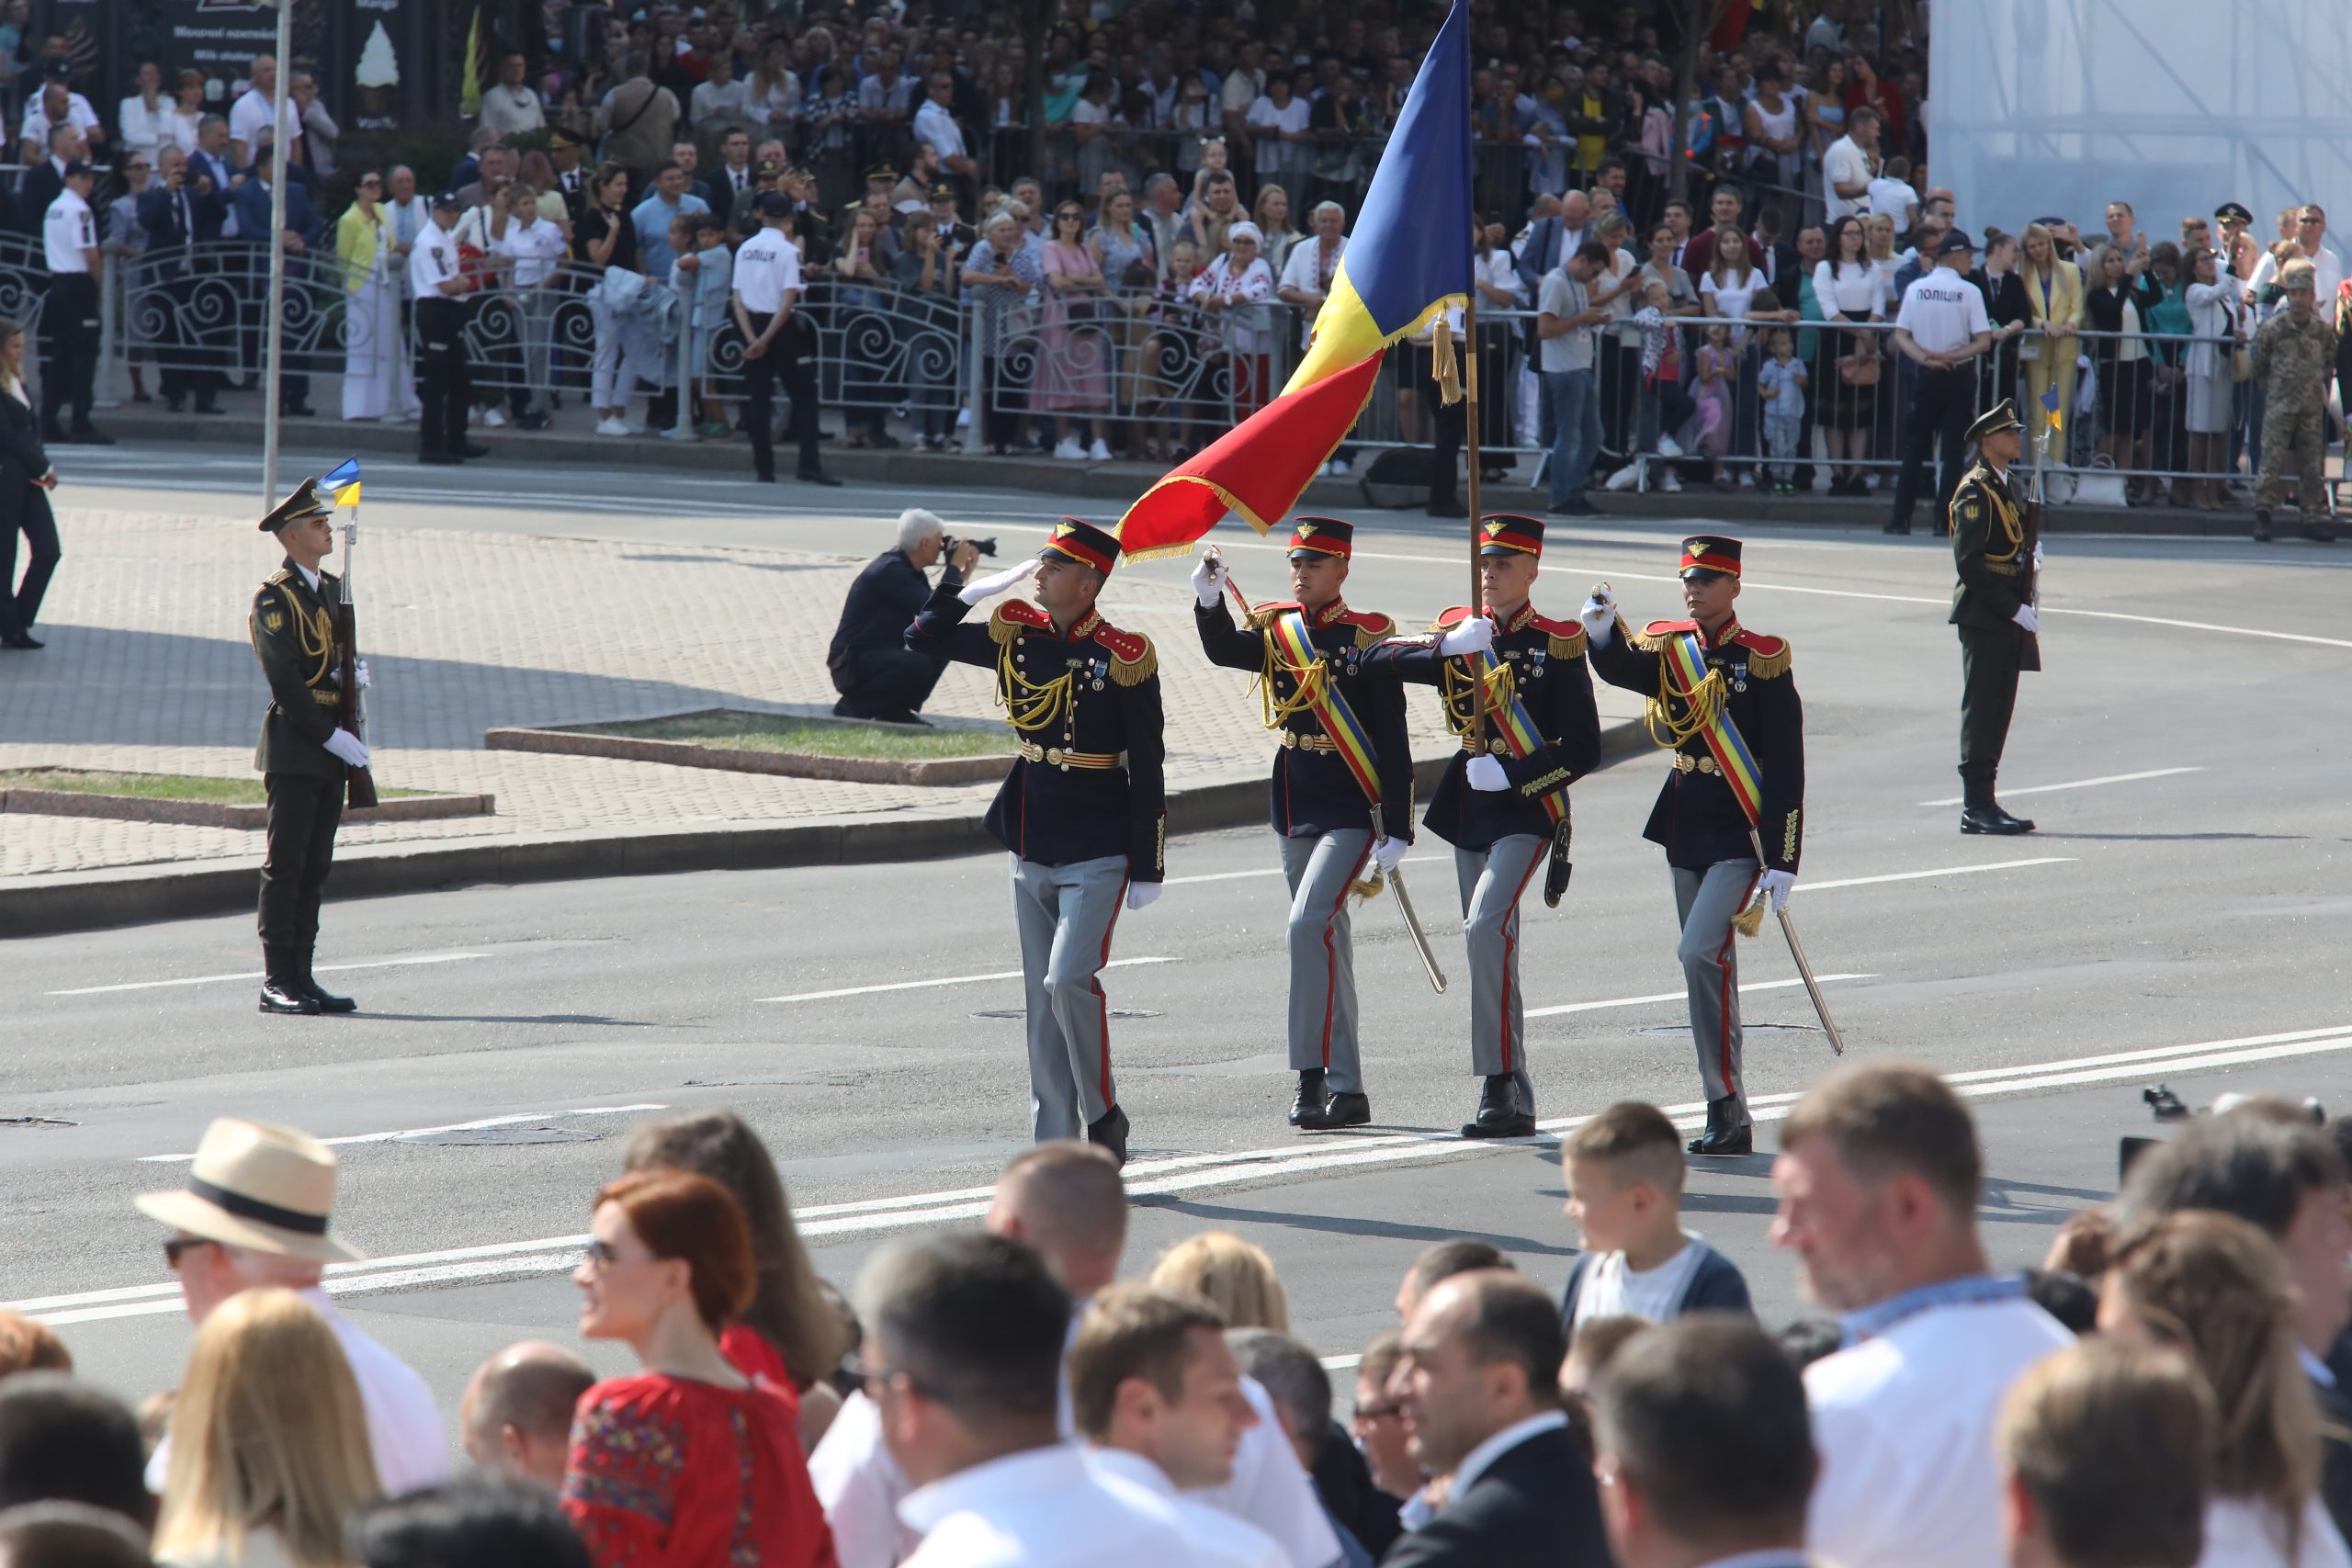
(947, 543)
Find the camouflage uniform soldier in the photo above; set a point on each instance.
(2293, 354)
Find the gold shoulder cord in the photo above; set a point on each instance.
(1031, 705)
(2012, 527)
(1502, 688)
(317, 640)
(1698, 710)
(1309, 682)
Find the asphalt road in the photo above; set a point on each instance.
(2179, 918)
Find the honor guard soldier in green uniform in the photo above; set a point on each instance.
(1084, 809)
(1503, 801)
(1309, 654)
(305, 753)
(1992, 608)
(1722, 698)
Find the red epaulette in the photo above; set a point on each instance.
(1022, 613)
(1669, 628)
(1371, 621)
(1562, 630)
(1129, 645)
(1757, 643)
(1453, 616)
(1274, 607)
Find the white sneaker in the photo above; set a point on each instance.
(611, 427)
(1070, 451)
(963, 418)
(1098, 452)
(1670, 483)
(1339, 469)
(1747, 479)
(493, 418)
(1622, 478)
(1669, 448)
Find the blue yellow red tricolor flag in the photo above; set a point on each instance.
(344, 483)
(1407, 259)
(2051, 408)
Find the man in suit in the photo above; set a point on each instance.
(177, 217)
(209, 170)
(301, 238)
(1705, 1448)
(45, 181)
(1479, 1385)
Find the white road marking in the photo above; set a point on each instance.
(1277, 871)
(942, 980)
(1187, 1173)
(405, 1133)
(2078, 784)
(1803, 887)
(1677, 996)
(257, 975)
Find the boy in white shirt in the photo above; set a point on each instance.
(1624, 1171)
(1892, 193)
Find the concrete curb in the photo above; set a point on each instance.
(1117, 481)
(216, 814)
(75, 901)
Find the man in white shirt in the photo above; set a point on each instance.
(254, 1214)
(779, 345)
(250, 115)
(1158, 1399)
(69, 312)
(1879, 1179)
(2327, 268)
(962, 1362)
(1313, 262)
(1849, 164)
(1065, 1199)
(1243, 85)
(935, 127)
(58, 104)
(513, 106)
(1940, 326)
(1565, 326)
(532, 249)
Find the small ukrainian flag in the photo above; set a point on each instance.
(2050, 407)
(345, 483)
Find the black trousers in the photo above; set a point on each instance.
(191, 365)
(20, 603)
(69, 347)
(1989, 697)
(889, 680)
(1942, 404)
(790, 358)
(444, 384)
(1448, 426)
(303, 813)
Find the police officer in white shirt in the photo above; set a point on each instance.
(1879, 1179)
(1940, 327)
(69, 312)
(442, 382)
(780, 343)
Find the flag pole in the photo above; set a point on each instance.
(1478, 701)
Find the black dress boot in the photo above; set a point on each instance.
(1499, 1116)
(1110, 1131)
(1725, 1134)
(282, 986)
(1310, 1096)
(328, 1002)
(1992, 819)
(1339, 1111)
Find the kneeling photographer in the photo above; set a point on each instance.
(878, 676)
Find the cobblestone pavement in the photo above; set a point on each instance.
(148, 669)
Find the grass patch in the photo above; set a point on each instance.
(729, 729)
(152, 786)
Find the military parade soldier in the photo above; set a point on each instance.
(1309, 654)
(1722, 699)
(1992, 608)
(1083, 809)
(2293, 354)
(304, 751)
(1502, 803)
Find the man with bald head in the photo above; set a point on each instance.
(1554, 240)
(516, 1416)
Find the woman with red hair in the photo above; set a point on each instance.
(687, 1462)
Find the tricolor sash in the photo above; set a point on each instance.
(1513, 724)
(1702, 691)
(1294, 648)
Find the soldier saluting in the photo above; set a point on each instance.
(1084, 809)
(1503, 801)
(1344, 752)
(1992, 606)
(305, 754)
(1722, 699)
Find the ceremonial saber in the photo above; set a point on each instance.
(1804, 970)
(1397, 874)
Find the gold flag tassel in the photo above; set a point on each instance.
(1441, 362)
(1371, 884)
(1750, 921)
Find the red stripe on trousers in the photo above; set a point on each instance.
(1510, 946)
(1096, 980)
(1330, 954)
(1729, 998)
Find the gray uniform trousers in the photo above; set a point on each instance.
(1066, 914)
(1707, 901)
(1493, 879)
(1322, 955)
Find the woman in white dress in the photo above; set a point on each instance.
(374, 367)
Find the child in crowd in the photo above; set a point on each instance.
(1780, 385)
(1624, 1171)
(1710, 433)
(702, 277)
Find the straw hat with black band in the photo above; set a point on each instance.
(263, 1188)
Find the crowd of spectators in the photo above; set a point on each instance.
(2163, 1391)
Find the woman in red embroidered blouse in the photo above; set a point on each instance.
(689, 1462)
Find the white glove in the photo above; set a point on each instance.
(359, 668)
(1143, 894)
(988, 587)
(1599, 616)
(2027, 617)
(348, 746)
(2037, 555)
(1777, 886)
(1475, 633)
(1389, 852)
(1486, 772)
(1208, 582)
